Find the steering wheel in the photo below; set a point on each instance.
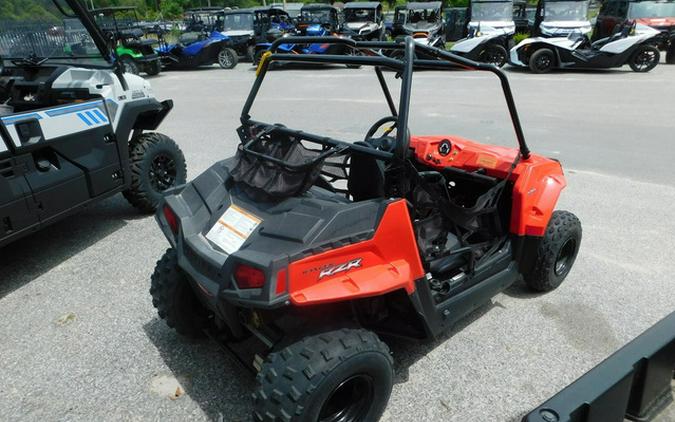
(385, 142)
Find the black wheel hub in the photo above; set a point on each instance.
(563, 261)
(493, 57)
(644, 59)
(543, 62)
(350, 401)
(162, 172)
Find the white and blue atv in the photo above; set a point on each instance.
(631, 44)
(73, 124)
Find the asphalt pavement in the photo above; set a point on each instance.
(82, 342)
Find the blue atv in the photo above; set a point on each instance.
(195, 49)
(315, 30)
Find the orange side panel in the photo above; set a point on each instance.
(389, 261)
(538, 180)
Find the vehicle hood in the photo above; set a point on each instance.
(422, 27)
(238, 32)
(494, 27)
(565, 24)
(362, 26)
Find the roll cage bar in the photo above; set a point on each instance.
(367, 53)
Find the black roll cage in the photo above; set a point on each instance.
(113, 12)
(368, 53)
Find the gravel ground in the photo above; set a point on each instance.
(82, 341)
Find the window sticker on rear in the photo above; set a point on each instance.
(233, 228)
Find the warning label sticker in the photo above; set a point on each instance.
(233, 228)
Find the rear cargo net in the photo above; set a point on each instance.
(295, 170)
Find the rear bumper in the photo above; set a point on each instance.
(633, 383)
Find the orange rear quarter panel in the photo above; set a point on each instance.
(389, 261)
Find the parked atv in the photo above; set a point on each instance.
(315, 30)
(630, 44)
(322, 14)
(248, 27)
(74, 128)
(195, 49)
(560, 18)
(316, 246)
(424, 22)
(363, 21)
(136, 52)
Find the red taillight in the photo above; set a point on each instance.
(281, 282)
(171, 219)
(248, 277)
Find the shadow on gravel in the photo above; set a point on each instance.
(407, 353)
(213, 379)
(222, 387)
(30, 257)
(519, 290)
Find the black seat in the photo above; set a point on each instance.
(189, 38)
(366, 176)
(620, 31)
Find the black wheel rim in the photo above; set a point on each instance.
(564, 260)
(645, 59)
(350, 401)
(224, 58)
(162, 172)
(543, 62)
(494, 57)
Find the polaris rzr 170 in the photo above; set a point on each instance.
(631, 44)
(317, 246)
(73, 126)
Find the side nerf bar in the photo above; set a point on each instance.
(634, 383)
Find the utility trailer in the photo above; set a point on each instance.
(635, 383)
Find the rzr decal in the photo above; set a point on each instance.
(331, 270)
